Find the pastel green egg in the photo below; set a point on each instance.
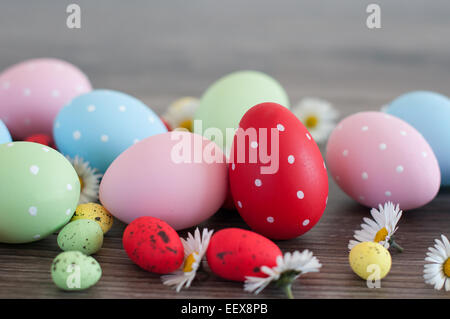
(39, 191)
(72, 271)
(82, 235)
(370, 260)
(225, 102)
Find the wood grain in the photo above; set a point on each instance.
(159, 51)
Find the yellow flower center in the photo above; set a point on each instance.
(187, 124)
(311, 121)
(447, 267)
(188, 263)
(81, 183)
(381, 235)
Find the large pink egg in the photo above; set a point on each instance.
(32, 93)
(170, 176)
(375, 158)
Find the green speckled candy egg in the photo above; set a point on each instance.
(39, 191)
(82, 235)
(72, 270)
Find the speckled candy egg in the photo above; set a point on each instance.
(82, 235)
(38, 194)
(74, 271)
(224, 103)
(5, 137)
(160, 177)
(95, 212)
(282, 196)
(153, 245)
(100, 125)
(369, 259)
(32, 93)
(235, 253)
(376, 157)
(429, 113)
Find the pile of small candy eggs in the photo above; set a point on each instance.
(50, 104)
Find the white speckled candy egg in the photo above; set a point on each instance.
(39, 191)
(376, 157)
(162, 177)
(101, 124)
(32, 93)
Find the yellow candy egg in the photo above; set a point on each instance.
(370, 260)
(95, 212)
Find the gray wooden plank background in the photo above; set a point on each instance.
(161, 50)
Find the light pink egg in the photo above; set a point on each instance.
(375, 158)
(32, 93)
(160, 177)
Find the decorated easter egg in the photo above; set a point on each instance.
(429, 113)
(370, 259)
(284, 194)
(82, 235)
(224, 103)
(153, 245)
(95, 212)
(73, 271)
(5, 137)
(179, 177)
(235, 253)
(376, 157)
(101, 124)
(38, 194)
(32, 92)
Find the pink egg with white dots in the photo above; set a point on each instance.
(375, 157)
(32, 93)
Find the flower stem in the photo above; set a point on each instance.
(394, 244)
(288, 291)
(285, 282)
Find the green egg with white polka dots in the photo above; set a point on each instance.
(39, 191)
(73, 271)
(82, 235)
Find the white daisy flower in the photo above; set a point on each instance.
(289, 267)
(318, 116)
(89, 180)
(437, 273)
(381, 229)
(194, 249)
(180, 113)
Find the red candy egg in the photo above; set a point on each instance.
(153, 245)
(235, 253)
(278, 177)
(43, 139)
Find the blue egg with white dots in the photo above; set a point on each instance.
(98, 126)
(5, 137)
(429, 113)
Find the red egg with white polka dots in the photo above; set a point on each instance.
(235, 253)
(153, 245)
(278, 177)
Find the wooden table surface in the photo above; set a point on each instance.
(162, 50)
